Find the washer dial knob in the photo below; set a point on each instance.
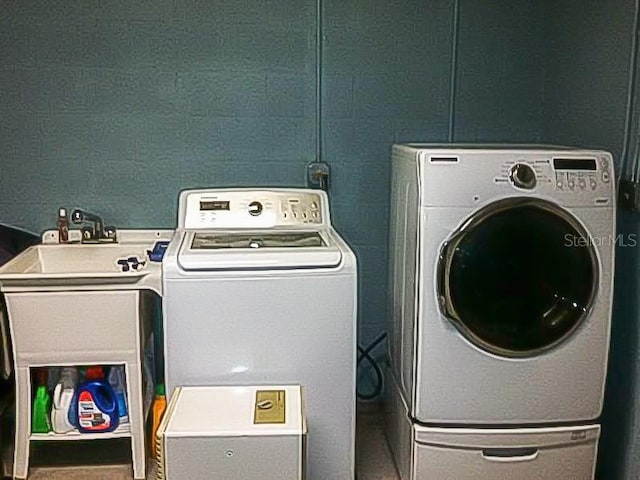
(255, 208)
(523, 176)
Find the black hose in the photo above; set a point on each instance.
(365, 354)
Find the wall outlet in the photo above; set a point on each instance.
(318, 175)
(629, 195)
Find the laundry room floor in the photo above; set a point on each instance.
(372, 457)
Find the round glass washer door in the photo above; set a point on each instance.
(518, 276)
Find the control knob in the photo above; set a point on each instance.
(255, 208)
(523, 176)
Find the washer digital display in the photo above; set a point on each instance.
(574, 164)
(213, 205)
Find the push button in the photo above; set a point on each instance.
(605, 177)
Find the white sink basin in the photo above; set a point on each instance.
(75, 264)
(52, 266)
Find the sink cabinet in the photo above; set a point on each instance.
(69, 328)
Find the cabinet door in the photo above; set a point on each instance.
(73, 327)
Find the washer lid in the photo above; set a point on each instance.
(241, 250)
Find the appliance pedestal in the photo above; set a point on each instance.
(454, 453)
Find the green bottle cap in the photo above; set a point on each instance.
(160, 389)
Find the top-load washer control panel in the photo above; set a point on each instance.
(242, 208)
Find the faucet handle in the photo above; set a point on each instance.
(86, 233)
(77, 216)
(110, 233)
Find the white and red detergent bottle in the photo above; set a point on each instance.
(97, 407)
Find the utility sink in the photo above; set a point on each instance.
(73, 265)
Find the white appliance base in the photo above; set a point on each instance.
(452, 453)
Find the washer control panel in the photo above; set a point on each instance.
(471, 175)
(224, 208)
(580, 174)
(570, 174)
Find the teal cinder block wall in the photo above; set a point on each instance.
(388, 78)
(117, 106)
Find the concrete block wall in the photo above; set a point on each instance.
(116, 106)
(387, 68)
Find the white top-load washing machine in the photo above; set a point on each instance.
(501, 265)
(502, 271)
(260, 289)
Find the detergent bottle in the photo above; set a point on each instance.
(159, 406)
(97, 407)
(63, 396)
(73, 410)
(118, 385)
(40, 422)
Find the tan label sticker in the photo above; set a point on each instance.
(269, 406)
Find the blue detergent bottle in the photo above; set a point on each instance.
(118, 385)
(97, 407)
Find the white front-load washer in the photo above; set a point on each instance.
(501, 281)
(259, 289)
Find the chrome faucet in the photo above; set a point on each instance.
(97, 233)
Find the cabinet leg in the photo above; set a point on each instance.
(23, 423)
(136, 417)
